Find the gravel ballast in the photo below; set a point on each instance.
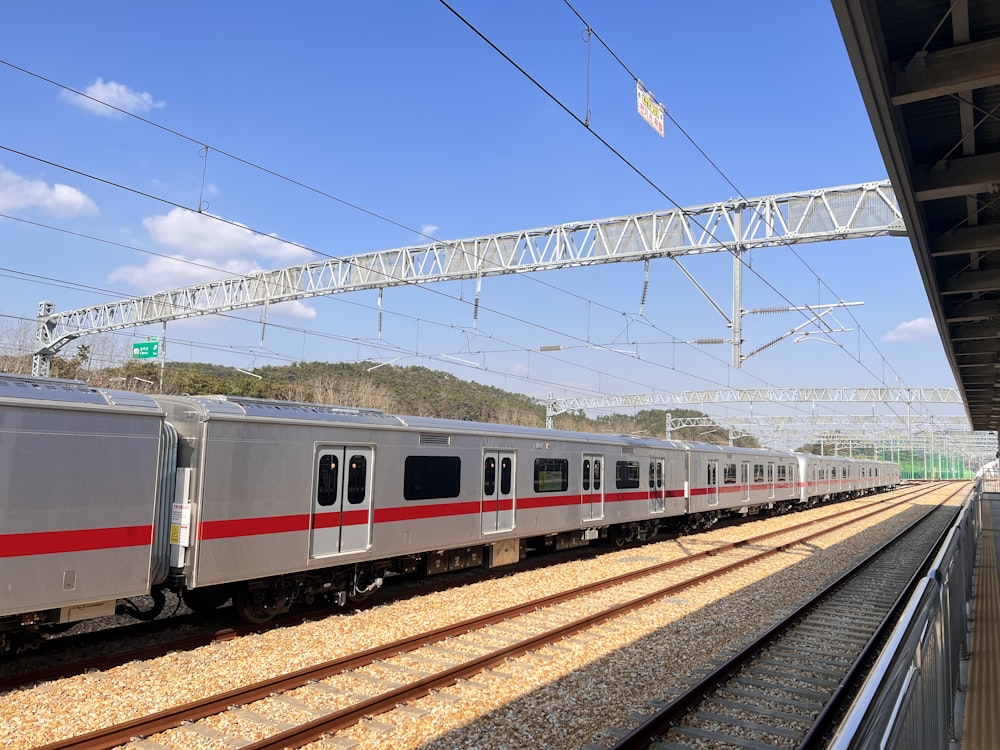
(563, 696)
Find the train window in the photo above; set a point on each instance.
(586, 474)
(659, 475)
(627, 475)
(652, 475)
(326, 483)
(597, 476)
(758, 472)
(712, 478)
(490, 476)
(552, 474)
(781, 472)
(430, 477)
(729, 474)
(506, 475)
(770, 473)
(357, 473)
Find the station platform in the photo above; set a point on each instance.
(981, 725)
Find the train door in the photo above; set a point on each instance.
(657, 485)
(342, 505)
(498, 491)
(745, 481)
(712, 487)
(592, 498)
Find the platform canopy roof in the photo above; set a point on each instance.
(929, 73)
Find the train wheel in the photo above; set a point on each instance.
(250, 606)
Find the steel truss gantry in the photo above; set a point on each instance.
(940, 435)
(878, 422)
(737, 226)
(758, 395)
(788, 431)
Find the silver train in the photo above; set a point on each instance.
(107, 496)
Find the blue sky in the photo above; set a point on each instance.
(342, 128)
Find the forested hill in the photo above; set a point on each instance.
(416, 391)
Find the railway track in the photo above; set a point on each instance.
(96, 650)
(377, 680)
(74, 654)
(786, 688)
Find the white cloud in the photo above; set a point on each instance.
(202, 234)
(294, 309)
(17, 193)
(116, 94)
(174, 271)
(912, 330)
(205, 249)
(428, 232)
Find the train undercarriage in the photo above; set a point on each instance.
(261, 600)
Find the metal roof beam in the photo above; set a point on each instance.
(967, 175)
(970, 282)
(967, 239)
(966, 311)
(933, 74)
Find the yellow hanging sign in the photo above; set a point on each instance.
(649, 109)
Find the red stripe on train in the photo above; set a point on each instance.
(75, 540)
(416, 512)
(235, 527)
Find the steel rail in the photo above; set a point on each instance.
(114, 736)
(643, 735)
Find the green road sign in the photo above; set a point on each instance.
(146, 350)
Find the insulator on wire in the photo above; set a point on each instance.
(380, 314)
(475, 306)
(645, 289)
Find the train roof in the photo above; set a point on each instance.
(237, 406)
(23, 387)
(221, 406)
(435, 423)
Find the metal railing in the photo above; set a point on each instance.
(908, 700)
(989, 481)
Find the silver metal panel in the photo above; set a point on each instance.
(164, 501)
(48, 389)
(76, 501)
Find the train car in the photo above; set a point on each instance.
(281, 502)
(827, 478)
(743, 480)
(81, 471)
(108, 495)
